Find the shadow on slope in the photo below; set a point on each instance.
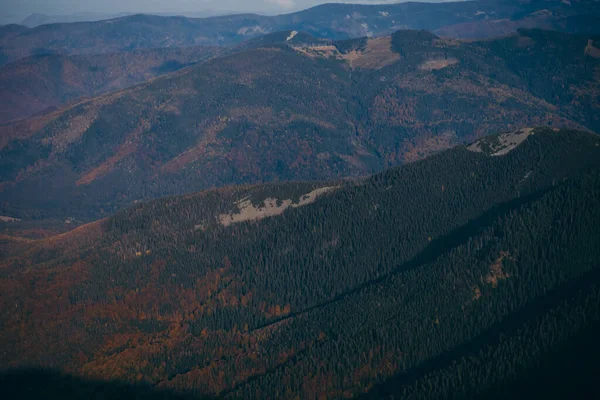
(568, 371)
(49, 384)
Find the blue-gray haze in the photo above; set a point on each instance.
(10, 9)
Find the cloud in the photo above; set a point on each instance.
(282, 3)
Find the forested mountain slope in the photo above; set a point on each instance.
(484, 18)
(39, 83)
(450, 276)
(292, 107)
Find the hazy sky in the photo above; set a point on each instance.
(58, 7)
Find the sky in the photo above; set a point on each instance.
(63, 7)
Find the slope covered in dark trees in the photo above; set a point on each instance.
(548, 349)
(298, 109)
(459, 275)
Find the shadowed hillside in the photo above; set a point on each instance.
(50, 385)
(452, 276)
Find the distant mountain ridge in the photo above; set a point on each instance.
(37, 19)
(483, 18)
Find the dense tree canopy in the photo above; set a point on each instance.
(457, 276)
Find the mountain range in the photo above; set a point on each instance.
(252, 116)
(394, 201)
(450, 277)
(471, 19)
(37, 19)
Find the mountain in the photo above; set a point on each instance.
(483, 18)
(36, 19)
(470, 274)
(40, 83)
(576, 17)
(292, 107)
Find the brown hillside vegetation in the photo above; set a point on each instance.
(377, 54)
(40, 83)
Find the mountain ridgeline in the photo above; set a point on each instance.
(252, 115)
(471, 19)
(449, 277)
